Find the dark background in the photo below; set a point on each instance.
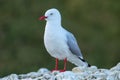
(95, 24)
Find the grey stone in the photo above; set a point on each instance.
(77, 73)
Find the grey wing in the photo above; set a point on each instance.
(73, 46)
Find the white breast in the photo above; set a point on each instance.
(55, 42)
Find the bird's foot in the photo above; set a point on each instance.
(62, 70)
(54, 70)
(58, 70)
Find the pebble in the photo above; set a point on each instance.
(77, 73)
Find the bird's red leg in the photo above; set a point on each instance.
(65, 64)
(56, 65)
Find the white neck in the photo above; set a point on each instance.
(53, 23)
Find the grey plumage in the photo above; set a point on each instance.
(73, 46)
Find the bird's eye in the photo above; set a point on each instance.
(51, 13)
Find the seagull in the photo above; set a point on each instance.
(60, 43)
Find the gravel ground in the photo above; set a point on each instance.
(77, 73)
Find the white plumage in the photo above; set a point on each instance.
(59, 42)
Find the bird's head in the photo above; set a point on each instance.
(51, 15)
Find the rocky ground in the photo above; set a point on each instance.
(77, 73)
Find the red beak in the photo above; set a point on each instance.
(42, 18)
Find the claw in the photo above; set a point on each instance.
(58, 70)
(62, 70)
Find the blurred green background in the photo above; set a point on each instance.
(95, 24)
